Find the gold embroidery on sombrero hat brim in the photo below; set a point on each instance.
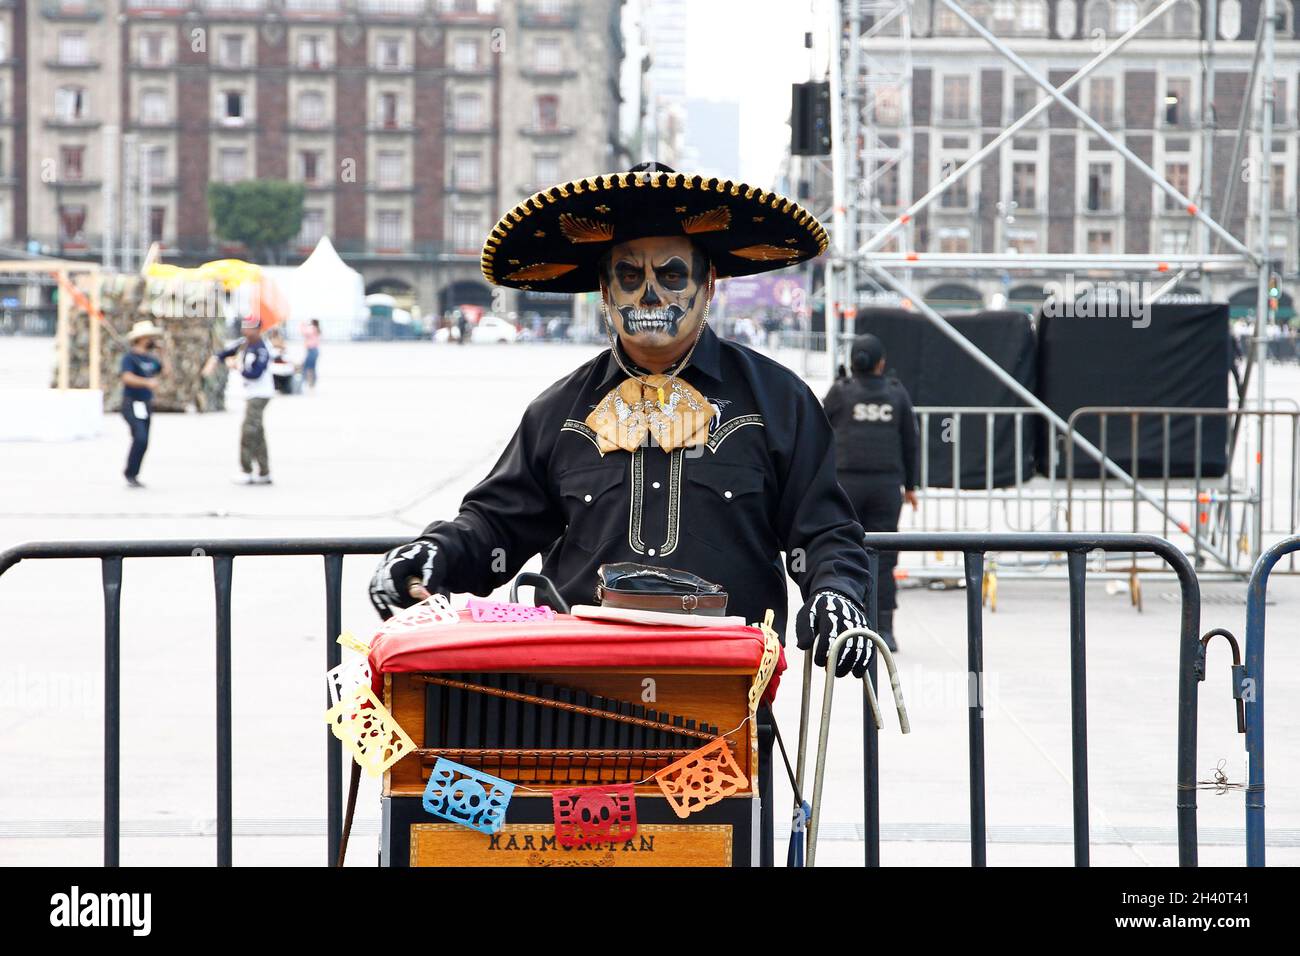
(765, 252)
(541, 270)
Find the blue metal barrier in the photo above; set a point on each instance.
(1256, 592)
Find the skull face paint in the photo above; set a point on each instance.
(656, 289)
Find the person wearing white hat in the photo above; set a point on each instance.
(141, 365)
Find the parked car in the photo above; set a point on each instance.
(491, 329)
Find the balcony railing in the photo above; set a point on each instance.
(318, 7)
(548, 130)
(554, 15)
(72, 9)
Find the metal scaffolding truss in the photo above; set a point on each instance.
(861, 157)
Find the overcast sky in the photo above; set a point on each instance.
(751, 51)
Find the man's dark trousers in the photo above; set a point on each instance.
(878, 501)
(139, 437)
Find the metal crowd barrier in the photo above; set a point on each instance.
(1252, 690)
(1227, 520)
(1209, 522)
(1076, 547)
(973, 547)
(223, 553)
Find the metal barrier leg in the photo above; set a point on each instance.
(222, 572)
(767, 818)
(111, 569)
(823, 735)
(871, 732)
(1077, 563)
(333, 746)
(1254, 698)
(975, 718)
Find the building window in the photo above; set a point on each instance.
(1066, 15)
(1174, 242)
(1024, 95)
(1096, 17)
(547, 55)
(311, 108)
(230, 49)
(70, 103)
(1100, 187)
(467, 171)
(888, 106)
(312, 228)
(153, 105)
(1101, 99)
(956, 98)
(1279, 101)
(1101, 242)
(1183, 19)
(151, 48)
(1179, 176)
(232, 164)
(466, 233)
(4, 40)
(1024, 185)
(886, 184)
(309, 166)
(155, 164)
(70, 163)
(390, 53)
(1126, 15)
(468, 111)
(1277, 187)
(464, 53)
(1178, 101)
(388, 110)
(1230, 19)
(956, 195)
(546, 112)
(1022, 241)
(157, 220)
(72, 225)
(1004, 12)
(232, 107)
(311, 51)
(389, 222)
(955, 240)
(389, 169)
(546, 169)
(73, 49)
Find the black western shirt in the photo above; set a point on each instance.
(764, 484)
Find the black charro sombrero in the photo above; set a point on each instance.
(554, 239)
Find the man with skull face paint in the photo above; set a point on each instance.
(671, 448)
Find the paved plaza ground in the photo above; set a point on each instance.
(392, 438)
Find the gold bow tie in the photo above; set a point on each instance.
(673, 412)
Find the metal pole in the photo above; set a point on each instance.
(975, 704)
(1265, 197)
(1077, 561)
(333, 746)
(112, 575)
(1101, 131)
(988, 149)
(1208, 123)
(109, 193)
(222, 571)
(835, 292)
(851, 154)
(1024, 394)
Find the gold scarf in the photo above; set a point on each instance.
(670, 410)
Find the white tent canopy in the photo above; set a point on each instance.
(324, 288)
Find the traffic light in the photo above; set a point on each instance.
(810, 119)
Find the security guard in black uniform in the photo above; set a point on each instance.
(876, 448)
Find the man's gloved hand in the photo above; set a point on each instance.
(825, 616)
(388, 587)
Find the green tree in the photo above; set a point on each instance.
(261, 214)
